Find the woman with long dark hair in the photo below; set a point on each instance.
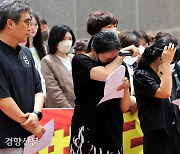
(159, 118)
(35, 42)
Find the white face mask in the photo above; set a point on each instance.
(64, 46)
(141, 49)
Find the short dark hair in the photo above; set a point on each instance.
(56, 35)
(163, 34)
(141, 34)
(12, 9)
(43, 21)
(128, 38)
(81, 45)
(98, 20)
(105, 41)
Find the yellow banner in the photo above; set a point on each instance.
(132, 135)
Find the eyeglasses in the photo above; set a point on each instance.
(27, 22)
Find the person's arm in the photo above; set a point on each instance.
(133, 105)
(135, 50)
(101, 73)
(125, 101)
(164, 91)
(32, 122)
(10, 108)
(39, 101)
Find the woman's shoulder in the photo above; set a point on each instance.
(50, 58)
(142, 73)
(82, 58)
(146, 76)
(84, 61)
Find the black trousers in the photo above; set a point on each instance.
(159, 142)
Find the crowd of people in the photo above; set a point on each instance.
(42, 67)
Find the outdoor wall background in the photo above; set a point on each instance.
(149, 15)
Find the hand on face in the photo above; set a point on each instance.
(168, 53)
(132, 48)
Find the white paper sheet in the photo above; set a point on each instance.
(33, 146)
(177, 102)
(130, 60)
(113, 81)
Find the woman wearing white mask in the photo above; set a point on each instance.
(56, 68)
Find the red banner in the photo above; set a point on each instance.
(132, 136)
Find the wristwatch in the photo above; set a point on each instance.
(39, 114)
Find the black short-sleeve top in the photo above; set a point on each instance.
(105, 120)
(19, 80)
(154, 113)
